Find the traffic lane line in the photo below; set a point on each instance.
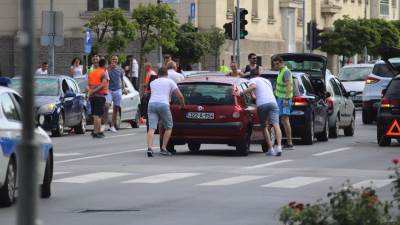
(161, 178)
(101, 155)
(93, 177)
(295, 182)
(122, 135)
(232, 180)
(376, 184)
(267, 164)
(332, 151)
(67, 154)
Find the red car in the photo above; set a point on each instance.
(215, 114)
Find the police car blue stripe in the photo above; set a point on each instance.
(7, 145)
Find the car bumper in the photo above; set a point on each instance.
(371, 105)
(385, 122)
(47, 121)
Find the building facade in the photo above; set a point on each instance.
(273, 25)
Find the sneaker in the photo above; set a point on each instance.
(102, 128)
(98, 136)
(112, 129)
(165, 152)
(271, 152)
(278, 150)
(102, 134)
(150, 153)
(288, 147)
(173, 151)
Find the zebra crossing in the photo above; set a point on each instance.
(271, 181)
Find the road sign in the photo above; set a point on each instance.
(192, 10)
(394, 130)
(88, 42)
(52, 26)
(171, 1)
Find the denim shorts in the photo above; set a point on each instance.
(157, 111)
(268, 113)
(115, 97)
(284, 110)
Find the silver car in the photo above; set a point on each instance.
(353, 78)
(382, 74)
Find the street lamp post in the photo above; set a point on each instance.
(51, 45)
(159, 43)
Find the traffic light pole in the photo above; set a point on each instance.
(233, 35)
(237, 18)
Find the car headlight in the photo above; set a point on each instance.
(48, 108)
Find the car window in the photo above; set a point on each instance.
(9, 108)
(393, 91)
(128, 85)
(307, 85)
(354, 73)
(297, 88)
(384, 70)
(248, 100)
(43, 86)
(65, 87)
(335, 87)
(82, 83)
(342, 88)
(207, 94)
(72, 86)
(329, 88)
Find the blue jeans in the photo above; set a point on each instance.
(157, 111)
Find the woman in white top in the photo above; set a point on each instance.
(76, 68)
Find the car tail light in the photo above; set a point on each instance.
(329, 103)
(299, 101)
(372, 80)
(236, 113)
(389, 103)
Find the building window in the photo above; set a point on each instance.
(95, 5)
(271, 10)
(254, 8)
(384, 7)
(230, 5)
(394, 3)
(300, 16)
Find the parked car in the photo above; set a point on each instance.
(211, 105)
(309, 116)
(130, 104)
(341, 108)
(353, 78)
(59, 104)
(382, 74)
(10, 133)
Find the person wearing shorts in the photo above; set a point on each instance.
(158, 109)
(267, 110)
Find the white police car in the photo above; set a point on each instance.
(10, 134)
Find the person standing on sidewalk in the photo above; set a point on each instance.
(172, 74)
(267, 110)
(134, 73)
(97, 92)
(161, 90)
(116, 89)
(252, 57)
(76, 68)
(284, 94)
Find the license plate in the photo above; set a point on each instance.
(200, 115)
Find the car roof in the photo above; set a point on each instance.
(275, 72)
(359, 65)
(54, 76)
(383, 62)
(7, 90)
(214, 78)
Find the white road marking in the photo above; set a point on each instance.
(92, 177)
(267, 164)
(232, 180)
(294, 182)
(161, 178)
(121, 135)
(372, 183)
(101, 155)
(67, 154)
(332, 151)
(60, 173)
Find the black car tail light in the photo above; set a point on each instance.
(389, 103)
(299, 101)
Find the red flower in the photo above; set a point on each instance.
(396, 161)
(292, 205)
(300, 206)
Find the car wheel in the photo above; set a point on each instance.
(81, 128)
(308, 137)
(243, 147)
(7, 192)
(324, 135)
(45, 189)
(382, 139)
(118, 122)
(367, 116)
(136, 121)
(59, 131)
(349, 130)
(194, 147)
(334, 131)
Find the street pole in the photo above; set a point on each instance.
(234, 36)
(159, 43)
(27, 149)
(304, 26)
(51, 45)
(238, 33)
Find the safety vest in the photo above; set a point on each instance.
(280, 90)
(94, 80)
(223, 69)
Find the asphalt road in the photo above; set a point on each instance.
(111, 181)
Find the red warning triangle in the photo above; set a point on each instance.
(394, 130)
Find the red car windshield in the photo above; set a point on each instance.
(206, 94)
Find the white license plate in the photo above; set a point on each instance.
(200, 115)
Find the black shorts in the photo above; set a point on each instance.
(97, 104)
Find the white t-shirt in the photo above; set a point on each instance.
(264, 91)
(135, 69)
(175, 76)
(41, 72)
(78, 71)
(161, 90)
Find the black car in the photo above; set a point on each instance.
(59, 103)
(309, 116)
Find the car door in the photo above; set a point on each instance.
(129, 102)
(78, 101)
(317, 104)
(251, 111)
(67, 103)
(339, 101)
(349, 105)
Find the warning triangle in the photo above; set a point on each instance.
(394, 130)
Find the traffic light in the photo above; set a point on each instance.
(228, 30)
(313, 35)
(243, 22)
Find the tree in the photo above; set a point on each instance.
(389, 34)
(156, 24)
(217, 39)
(112, 30)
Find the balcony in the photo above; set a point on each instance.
(291, 3)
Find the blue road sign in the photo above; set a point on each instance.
(192, 10)
(88, 42)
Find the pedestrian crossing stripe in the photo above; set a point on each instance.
(232, 180)
(92, 177)
(161, 178)
(376, 184)
(294, 182)
(394, 129)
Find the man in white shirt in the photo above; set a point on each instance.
(267, 110)
(172, 74)
(161, 90)
(43, 69)
(135, 73)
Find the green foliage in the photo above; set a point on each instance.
(390, 35)
(217, 39)
(112, 30)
